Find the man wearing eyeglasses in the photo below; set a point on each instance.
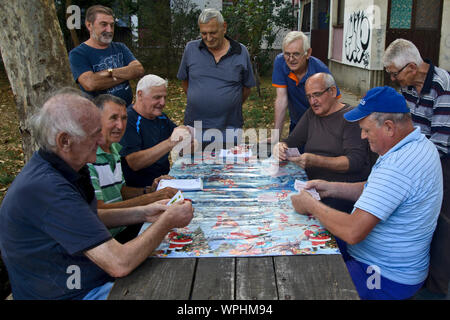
(291, 69)
(334, 150)
(426, 89)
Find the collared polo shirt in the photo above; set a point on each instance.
(47, 220)
(283, 77)
(214, 95)
(107, 178)
(431, 108)
(404, 191)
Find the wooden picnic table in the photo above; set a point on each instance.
(277, 277)
(301, 277)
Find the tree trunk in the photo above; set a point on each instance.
(35, 57)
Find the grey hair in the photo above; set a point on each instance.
(296, 35)
(60, 113)
(101, 99)
(381, 117)
(401, 52)
(327, 78)
(150, 81)
(208, 14)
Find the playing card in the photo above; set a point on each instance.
(292, 152)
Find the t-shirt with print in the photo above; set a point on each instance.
(85, 58)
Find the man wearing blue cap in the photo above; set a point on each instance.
(390, 229)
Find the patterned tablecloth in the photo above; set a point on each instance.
(244, 210)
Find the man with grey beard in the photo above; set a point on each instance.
(100, 65)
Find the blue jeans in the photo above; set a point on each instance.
(99, 293)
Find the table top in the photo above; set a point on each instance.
(257, 260)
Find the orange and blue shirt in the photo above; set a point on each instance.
(283, 77)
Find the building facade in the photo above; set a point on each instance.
(351, 35)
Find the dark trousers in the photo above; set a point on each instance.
(439, 273)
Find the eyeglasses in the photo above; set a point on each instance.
(295, 55)
(395, 74)
(316, 94)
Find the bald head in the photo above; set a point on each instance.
(321, 92)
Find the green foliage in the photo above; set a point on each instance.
(253, 22)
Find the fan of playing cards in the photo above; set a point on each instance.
(300, 185)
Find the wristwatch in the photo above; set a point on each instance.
(110, 71)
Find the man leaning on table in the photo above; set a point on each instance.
(53, 240)
(106, 172)
(390, 229)
(150, 134)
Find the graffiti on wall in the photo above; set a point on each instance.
(357, 38)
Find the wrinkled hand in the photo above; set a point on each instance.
(301, 202)
(324, 188)
(179, 214)
(179, 134)
(165, 193)
(304, 161)
(157, 180)
(279, 151)
(154, 210)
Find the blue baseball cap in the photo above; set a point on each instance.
(379, 99)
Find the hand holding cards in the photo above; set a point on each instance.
(292, 152)
(300, 185)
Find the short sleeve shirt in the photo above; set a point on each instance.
(404, 190)
(107, 178)
(85, 58)
(141, 134)
(45, 226)
(214, 95)
(283, 77)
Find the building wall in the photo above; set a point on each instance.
(444, 54)
(202, 4)
(356, 50)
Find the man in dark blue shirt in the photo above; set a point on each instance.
(150, 134)
(53, 241)
(100, 65)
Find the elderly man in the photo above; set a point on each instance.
(426, 89)
(55, 244)
(291, 69)
(150, 134)
(217, 76)
(106, 172)
(334, 150)
(100, 65)
(395, 214)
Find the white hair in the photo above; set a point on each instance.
(66, 111)
(208, 14)
(381, 117)
(150, 81)
(401, 52)
(296, 35)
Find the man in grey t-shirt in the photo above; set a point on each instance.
(333, 148)
(217, 76)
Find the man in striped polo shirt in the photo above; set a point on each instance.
(106, 172)
(426, 89)
(386, 239)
